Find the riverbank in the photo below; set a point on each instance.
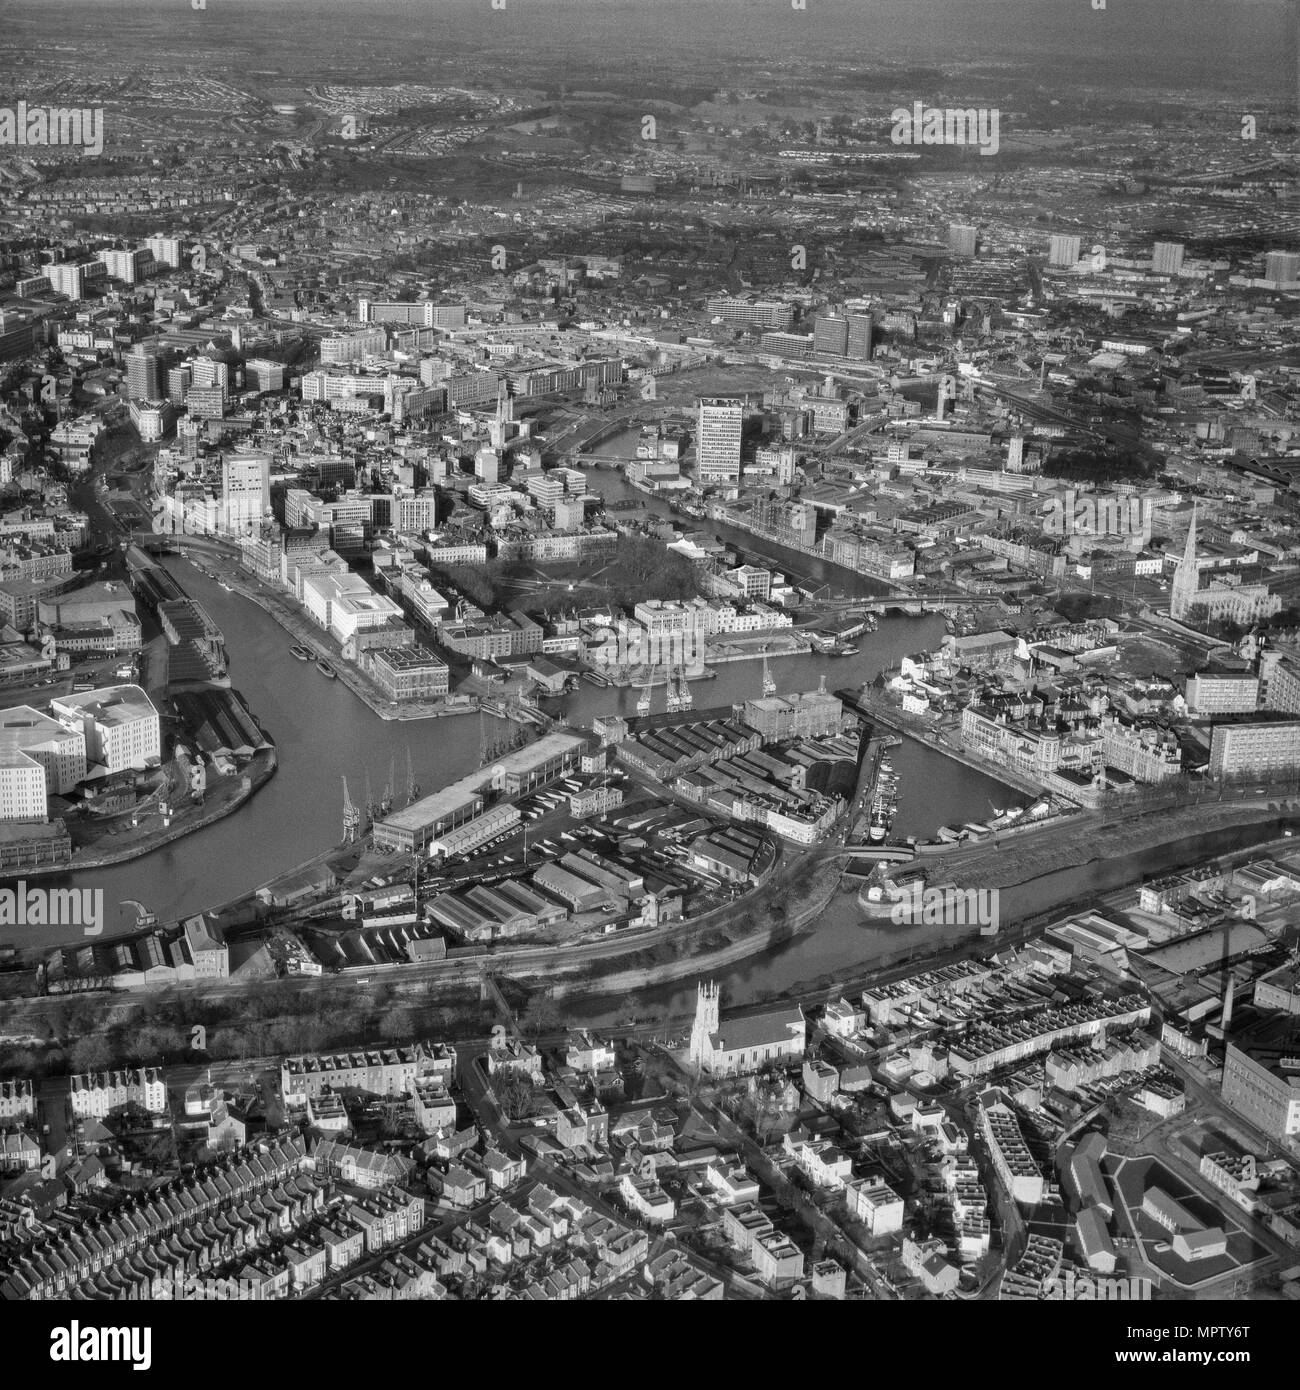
(1088, 839)
(879, 711)
(303, 630)
(186, 821)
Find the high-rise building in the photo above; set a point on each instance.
(211, 371)
(487, 465)
(73, 278)
(1282, 267)
(245, 491)
(831, 334)
(1065, 250)
(1255, 749)
(1015, 453)
(179, 381)
(860, 329)
(962, 239)
(128, 266)
(142, 375)
(166, 250)
(717, 440)
(1167, 258)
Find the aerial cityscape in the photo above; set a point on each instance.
(650, 650)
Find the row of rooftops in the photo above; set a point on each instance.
(984, 1038)
(1003, 1129)
(413, 1055)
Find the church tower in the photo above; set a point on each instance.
(706, 1023)
(1187, 579)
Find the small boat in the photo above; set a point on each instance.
(846, 651)
(326, 669)
(300, 652)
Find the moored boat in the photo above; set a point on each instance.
(300, 652)
(326, 669)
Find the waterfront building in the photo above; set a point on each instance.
(717, 440)
(810, 714)
(245, 492)
(408, 673)
(517, 773)
(121, 728)
(28, 737)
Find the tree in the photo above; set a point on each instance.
(92, 1053)
(514, 1092)
(396, 1026)
(542, 1015)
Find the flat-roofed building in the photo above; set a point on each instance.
(1264, 1087)
(1222, 692)
(413, 827)
(120, 726)
(39, 758)
(1269, 749)
(515, 774)
(875, 1204)
(809, 714)
(408, 673)
(1010, 1153)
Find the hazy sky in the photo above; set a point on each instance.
(1130, 44)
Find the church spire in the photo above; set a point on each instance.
(1189, 550)
(1187, 579)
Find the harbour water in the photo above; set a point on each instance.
(323, 732)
